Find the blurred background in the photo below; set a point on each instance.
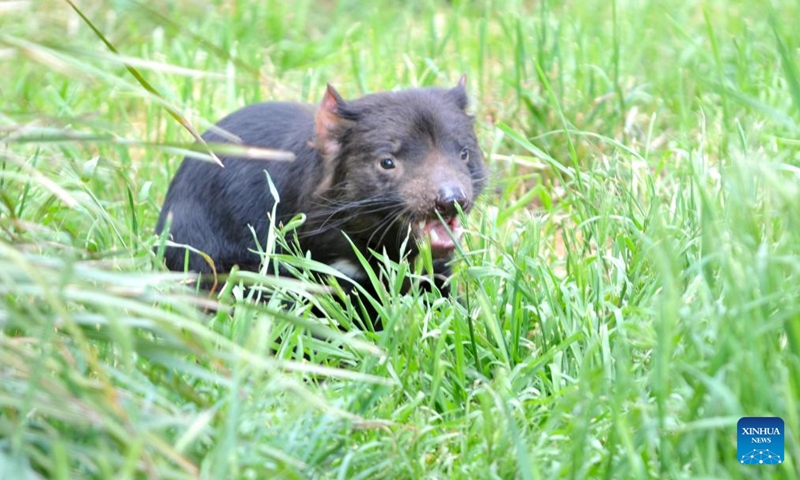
(628, 287)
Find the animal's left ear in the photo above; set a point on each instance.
(459, 93)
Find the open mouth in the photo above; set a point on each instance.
(442, 241)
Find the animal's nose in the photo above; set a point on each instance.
(449, 195)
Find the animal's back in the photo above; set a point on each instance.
(212, 206)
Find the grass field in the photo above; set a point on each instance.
(629, 285)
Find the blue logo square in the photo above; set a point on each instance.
(760, 440)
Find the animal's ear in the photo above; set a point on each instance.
(330, 122)
(459, 93)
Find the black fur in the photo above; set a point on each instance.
(337, 178)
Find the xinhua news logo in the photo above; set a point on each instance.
(760, 440)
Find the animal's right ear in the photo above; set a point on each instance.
(459, 93)
(330, 123)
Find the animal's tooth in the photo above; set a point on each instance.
(434, 236)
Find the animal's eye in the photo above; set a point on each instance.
(387, 163)
(464, 154)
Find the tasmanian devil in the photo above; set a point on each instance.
(379, 168)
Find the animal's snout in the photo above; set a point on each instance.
(450, 195)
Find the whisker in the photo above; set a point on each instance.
(325, 218)
(386, 224)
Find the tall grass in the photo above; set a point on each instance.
(629, 286)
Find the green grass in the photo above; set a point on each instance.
(629, 285)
